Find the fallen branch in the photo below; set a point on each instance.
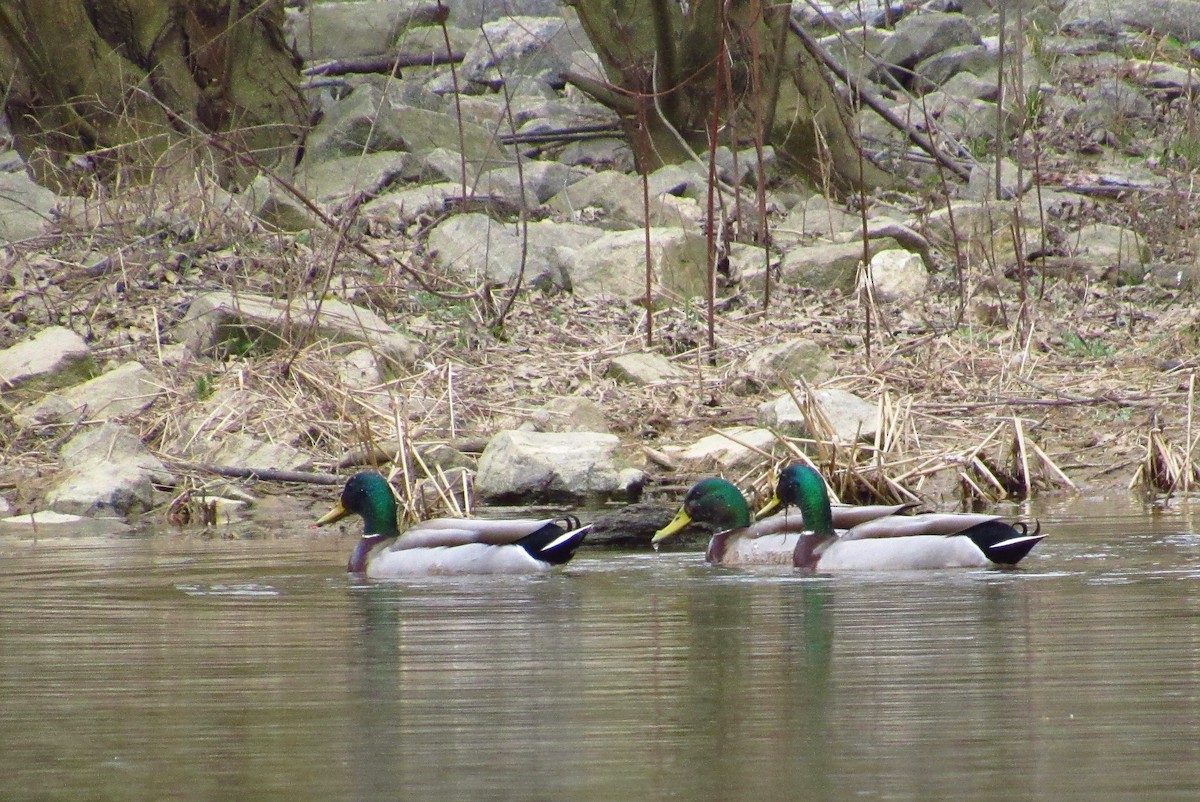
(262, 474)
(386, 63)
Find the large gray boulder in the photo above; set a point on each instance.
(54, 357)
(613, 266)
(483, 250)
(109, 473)
(920, 36)
(737, 447)
(127, 390)
(850, 418)
(25, 207)
(372, 119)
(340, 30)
(523, 467)
(1176, 19)
(223, 320)
(518, 52)
(789, 359)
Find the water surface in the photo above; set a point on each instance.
(186, 666)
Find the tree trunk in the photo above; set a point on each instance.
(140, 90)
(669, 72)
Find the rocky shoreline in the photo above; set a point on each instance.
(236, 337)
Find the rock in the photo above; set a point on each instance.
(1116, 254)
(966, 118)
(405, 205)
(25, 207)
(43, 518)
(852, 52)
(604, 153)
(897, 276)
(744, 167)
(239, 450)
(474, 13)
(613, 266)
(122, 392)
(517, 51)
(920, 36)
(788, 359)
(481, 249)
(972, 58)
(645, 369)
(1174, 19)
(1175, 276)
(54, 357)
(446, 457)
(569, 414)
(542, 180)
(109, 472)
(549, 467)
(217, 321)
(850, 418)
(324, 31)
(733, 448)
(677, 179)
(359, 370)
(823, 267)
(613, 200)
(1113, 108)
(272, 205)
(1168, 79)
(982, 184)
(984, 230)
(215, 432)
(814, 217)
(968, 85)
(369, 121)
(343, 177)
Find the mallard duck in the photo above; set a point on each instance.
(845, 516)
(448, 545)
(930, 540)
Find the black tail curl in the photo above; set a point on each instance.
(556, 542)
(1005, 544)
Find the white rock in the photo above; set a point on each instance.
(216, 318)
(569, 414)
(54, 357)
(849, 416)
(548, 466)
(614, 265)
(109, 472)
(785, 360)
(897, 275)
(42, 517)
(736, 447)
(125, 391)
(25, 207)
(645, 368)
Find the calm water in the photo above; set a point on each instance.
(186, 667)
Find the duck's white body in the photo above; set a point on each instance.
(469, 558)
(913, 552)
(462, 531)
